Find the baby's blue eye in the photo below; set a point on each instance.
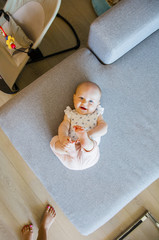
(91, 101)
(81, 98)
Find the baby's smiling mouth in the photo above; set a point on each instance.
(83, 108)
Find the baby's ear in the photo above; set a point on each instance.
(74, 95)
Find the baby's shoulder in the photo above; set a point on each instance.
(68, 111)
(99, 110)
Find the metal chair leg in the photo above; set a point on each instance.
(36, 55)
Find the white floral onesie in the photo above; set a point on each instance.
(87, 121)
(77, 158)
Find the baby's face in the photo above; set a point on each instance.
(86, 99)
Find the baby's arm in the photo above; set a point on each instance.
(63, 131)
(100, 129)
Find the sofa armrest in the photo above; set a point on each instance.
(122, 27)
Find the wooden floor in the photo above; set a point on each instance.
(22, 196)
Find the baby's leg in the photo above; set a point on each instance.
(57, 146)
(80, 159)
(88, 159)
(60, 148)
(68, 159)
(86, 143)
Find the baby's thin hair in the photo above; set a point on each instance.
(89, 83)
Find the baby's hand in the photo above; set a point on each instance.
(78, 129)
(66, 140)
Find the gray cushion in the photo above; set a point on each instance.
(129, 152)
(123, 27)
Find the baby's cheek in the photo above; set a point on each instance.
(92, 108)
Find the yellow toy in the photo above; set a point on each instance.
(9, 39)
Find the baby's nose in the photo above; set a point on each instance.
(84, 101)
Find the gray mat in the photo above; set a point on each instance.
(129, 152)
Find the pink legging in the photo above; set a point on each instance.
(79, 159)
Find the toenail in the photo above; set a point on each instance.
(25, 227)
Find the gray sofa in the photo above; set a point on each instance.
(125, 36)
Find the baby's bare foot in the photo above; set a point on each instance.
(27, 232)
(85, 141)
(48, 218)
(81, 133)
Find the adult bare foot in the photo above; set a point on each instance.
(27, 232)
(48, 218)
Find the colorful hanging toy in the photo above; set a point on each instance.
(9, 39)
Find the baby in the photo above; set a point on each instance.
(79, 134)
